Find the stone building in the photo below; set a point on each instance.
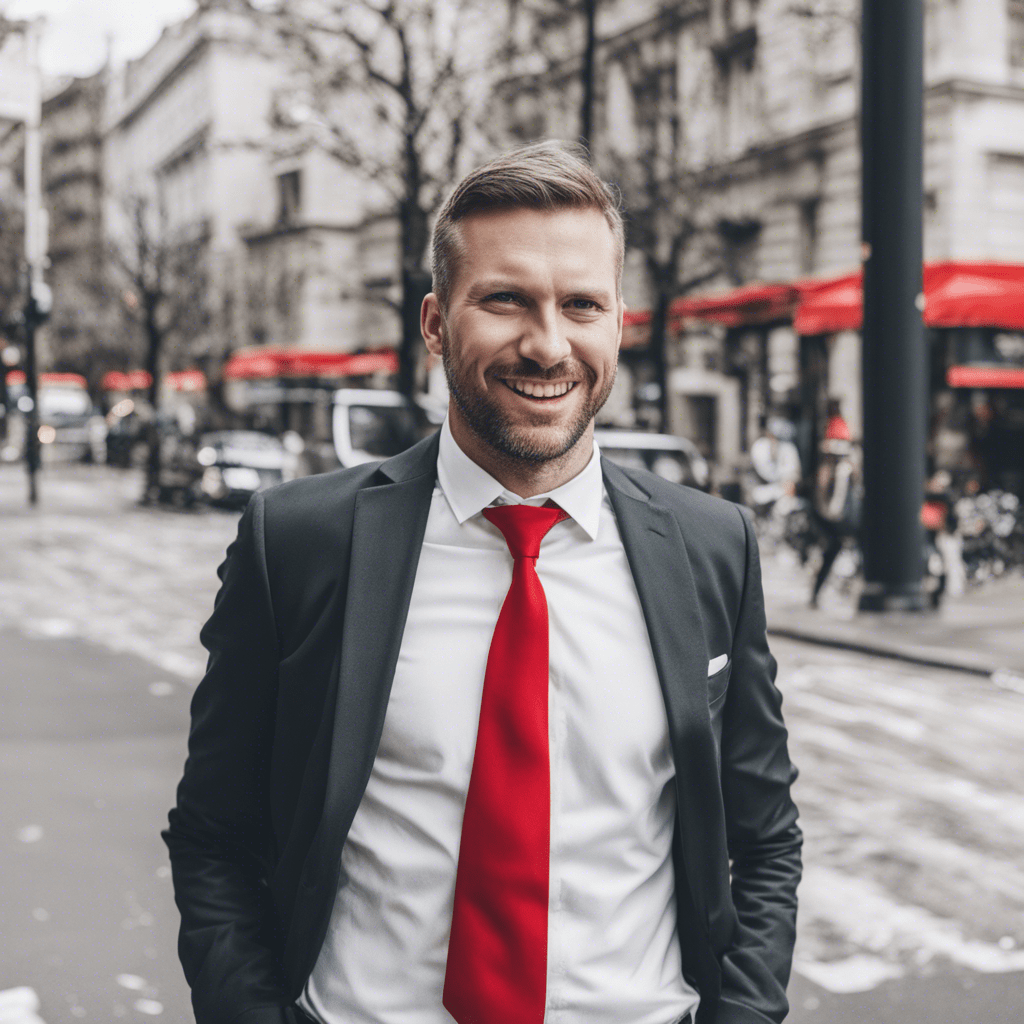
(73, 197)
(748, 109)
(186, 128)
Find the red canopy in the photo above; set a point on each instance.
(264, 362)
(985, 377)
(186, 380)
(751, 304)
(133, 380)
(957, 294)
(828, 306)
(974, 295)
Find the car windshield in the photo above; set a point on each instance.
(672, 465)
(55, 403)
(381, 431)
(250, 439)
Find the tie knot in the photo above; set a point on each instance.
(524, 526)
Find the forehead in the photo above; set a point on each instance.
(525, 244)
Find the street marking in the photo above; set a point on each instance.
(30, 834)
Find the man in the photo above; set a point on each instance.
(489, 730)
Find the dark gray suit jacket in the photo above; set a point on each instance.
(303, 643)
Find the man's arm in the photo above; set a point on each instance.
(219, 835)
(763, 838)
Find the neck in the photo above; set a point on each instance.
(522, 476)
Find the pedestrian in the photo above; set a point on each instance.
(489, 731)
(836, 497)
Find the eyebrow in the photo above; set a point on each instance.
(492, 286)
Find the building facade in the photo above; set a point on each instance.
(77, 332)
(747, 111)
(186, 131)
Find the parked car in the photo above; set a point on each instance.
(674, 458)
(235, 464)
(369, 424)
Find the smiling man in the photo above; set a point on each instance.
(489, 731)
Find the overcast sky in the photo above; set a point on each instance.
(75, 36)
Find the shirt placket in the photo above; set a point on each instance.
(557, 733)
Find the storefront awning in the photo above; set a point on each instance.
(752, 304)
(985, 377)
(825, 307)
(956, 294)
(974, 295)
(133, 380)
(266, 362)
(188, 381)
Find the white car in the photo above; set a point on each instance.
(370, 424)
(674, 458)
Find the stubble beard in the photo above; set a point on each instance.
(489, 423)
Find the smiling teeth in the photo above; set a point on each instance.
(540, 390)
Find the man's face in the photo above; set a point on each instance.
(531, 336)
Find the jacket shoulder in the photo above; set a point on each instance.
(696, 511)
(312, 498)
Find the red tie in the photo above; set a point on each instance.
(497, 953)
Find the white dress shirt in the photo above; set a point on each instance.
(613, 951)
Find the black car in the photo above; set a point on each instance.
(238, 463)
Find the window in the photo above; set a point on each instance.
(289, 197)
(809, 234)
(1015, 33)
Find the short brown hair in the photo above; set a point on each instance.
(544, 176)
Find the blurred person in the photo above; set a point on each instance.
(837, 500)
(490, 728)
(776, 461)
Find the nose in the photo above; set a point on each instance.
(544, 341)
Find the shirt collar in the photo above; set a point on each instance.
(469, 488)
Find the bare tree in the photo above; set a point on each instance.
(164, 296)
(392, 87)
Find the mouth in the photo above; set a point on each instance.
(539, 391)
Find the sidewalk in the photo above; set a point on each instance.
(981, 632)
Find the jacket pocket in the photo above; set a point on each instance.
(718, 684)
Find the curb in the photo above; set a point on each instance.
(931, 657)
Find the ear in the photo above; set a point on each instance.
(432, 324)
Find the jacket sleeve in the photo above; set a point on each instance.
(761, 820)
(218, 834)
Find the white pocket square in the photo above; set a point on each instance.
(716, 664)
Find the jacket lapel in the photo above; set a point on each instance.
(387, 535)
(658, 559)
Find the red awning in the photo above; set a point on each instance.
(974, 295)
(265, 362)
(751, 304)
(190, 381)
(956, 294)
(133, 380)
(985, 377)
(825, 307)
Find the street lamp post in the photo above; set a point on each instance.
(895, 380)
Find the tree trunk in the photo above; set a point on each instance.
(663, 279)
(151, 491)
(415, 286)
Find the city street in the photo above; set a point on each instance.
(911, 792)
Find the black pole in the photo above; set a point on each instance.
(32, 461)
(587, 108)
(895, 379)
